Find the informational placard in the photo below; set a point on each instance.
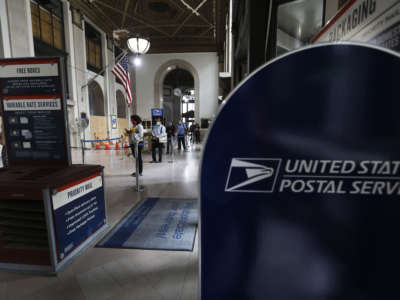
(34, 128)
(371, 21)
(29, 77)
(33, 106)
(79, 211)
(301, 199)
(114, 122)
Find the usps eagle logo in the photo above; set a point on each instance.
(252, 175)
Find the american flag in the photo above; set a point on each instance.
(121, 71)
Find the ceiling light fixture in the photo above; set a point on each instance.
(137, 61)
(138, 45)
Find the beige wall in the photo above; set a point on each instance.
(122, 124)
(98, 127)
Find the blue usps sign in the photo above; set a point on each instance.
(79, 211)
(305, 205)
(156, 112)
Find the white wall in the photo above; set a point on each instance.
(20, 28)
(206, 65)
(5, 50)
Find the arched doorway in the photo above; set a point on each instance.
(178, 96)
(161, 74)
(122, 112)
(98, 122)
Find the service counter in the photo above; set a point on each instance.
(48, 215)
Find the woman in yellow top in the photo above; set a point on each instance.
(136, 138)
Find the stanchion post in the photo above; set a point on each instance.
(172, 149)
(139, 188)
(83, 151)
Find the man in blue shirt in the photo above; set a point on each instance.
(181, 135)
(158, 140)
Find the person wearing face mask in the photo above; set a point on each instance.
(181, 130)
(158, 140)
(170, 135)
(136, 138)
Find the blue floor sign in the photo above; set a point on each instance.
(300, 180)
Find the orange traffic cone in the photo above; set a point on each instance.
(117, 145)
(97, 146)
(107, 146)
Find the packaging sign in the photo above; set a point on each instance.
(33, 106)
(305, 205)
(370, 21)
(79, 211)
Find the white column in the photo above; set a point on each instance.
(20, 28)
(69, 48)
(84, 102)
(5, 48)
(107, 107)
(71, 76)
(113, 90)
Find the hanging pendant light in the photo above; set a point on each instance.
(138, 45)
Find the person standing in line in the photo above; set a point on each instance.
(136, 138)
(196, 132)
(181, 130)
(158, 140)
(170, 135)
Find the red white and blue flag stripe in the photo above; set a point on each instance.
(121, 71)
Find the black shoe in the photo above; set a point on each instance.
(153, 161)
(159, 161)
(133, 174)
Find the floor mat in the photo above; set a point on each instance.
(156, 223)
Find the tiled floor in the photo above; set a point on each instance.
(100, 273)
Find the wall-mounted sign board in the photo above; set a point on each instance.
(32, 96)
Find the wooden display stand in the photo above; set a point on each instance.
(33, 229)
(49, 209)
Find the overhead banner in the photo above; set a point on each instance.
(300, 197)
(33, 105)
(371, 21)
(79, 211)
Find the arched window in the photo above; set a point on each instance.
(96, 99)
(121, 106)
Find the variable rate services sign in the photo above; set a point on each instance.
(305, 203)
(79, 211)
(33, 109)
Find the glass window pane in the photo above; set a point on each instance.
(92, 53)
(98, 57)
(87, 51)
(58, 33)
(45, 25)
(35, 20)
